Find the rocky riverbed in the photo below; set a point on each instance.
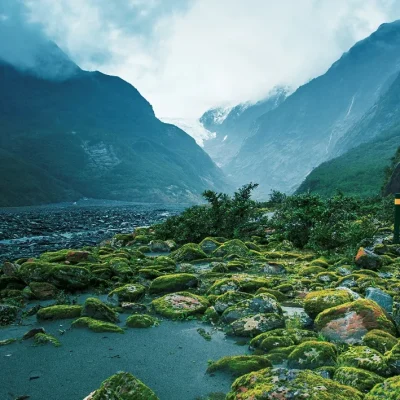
(30, 231)
(170, 317)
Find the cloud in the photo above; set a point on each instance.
(186, 56)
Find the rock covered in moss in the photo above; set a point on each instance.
(122, 386)
(75, 257)
(141, 321)
(43, 338)
(180, 305)
(393, 359)
(280, 383)
(8, 314)
(229, 299)
(239, 282)
(43, 290)
(318, 301)
(59, 312)
(349, 322)
(10, 269)
(239, 365)
(159, 246)
(379, 340)
(380, 297)
(232, 247)
(95, 308)
(261, 303)
(312, 354)
(387, 390)
(368, 259)
(96, 325)
(129, 292)
(254, 325)
(357, 378)
(189, 252)
(365, 358)
(209, 244)
(173, 283)
(6, 342)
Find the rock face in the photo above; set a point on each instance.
(394, 183)
(349, 322)
(304, 130)
(113, 146)
(122, 386)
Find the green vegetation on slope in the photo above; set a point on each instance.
(359, 172)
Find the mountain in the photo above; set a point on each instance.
(66, 133)
(232, 126)
(304, 130)
(372, 141)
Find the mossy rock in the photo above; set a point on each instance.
(59, 312)
(8, 314)
(43, 338)
(71, 277)
(35, 271)
(327, 277)
(278, 295)
(224, 285)
(295, 335)
(94, 308)
(229, 299)
(141, 321)
(388, 390)
(320, 262)
(180, 305)
(273, 342)
(365, 358)
(173, 283)
(43, 290)
(129, 292)
(239, 365)
(122, 386)
(349, 322)
(262, 303)
(211, 315)
(368, 260)
(254, 325)
(159, 246)
(379, 340)
(209, 244)
(393, 359)
(96, 325)
(55, 256)
(289, 384)
(311, 271)
(188, 252)
(312, 354)
(359, 379)
(316, 302)
(6, 342)
(231, 247)
(250, 283)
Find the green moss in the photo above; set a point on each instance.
(327, 277)
(54, 256)
(254, 325)
(5, 342)
(312, 354)
(388, 390)
(123, 386)
(59, 312)
(129, 292)
(289, 384)
(94, 308)
(239, 365)
(278, 295)
(43, 338)
(209, 244)
(43, 290)
(232, 247)
(173, 283)
(320, 262)
(141, 321)
(311, 271)
(365, 358)
(8, 314)
(379, 340)
(229, 299)
(295, 335)
(211, 315)
(357, 378)
(96, 325)
(180, 305)
(274, 342)
(316, 302)
(188, 252)
(393, 359)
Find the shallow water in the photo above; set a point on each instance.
(171, 359)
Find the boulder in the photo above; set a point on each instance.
(122, 386)
(189, 252)
(159, 246)
(232, 247)
(312, 354)
(380, 297)
(10, 269)
(255, 324)
(389, 389)
(130, 292)
(360, 379)
(43, 290)
(94, 308)
(368, 259)
(141, 321)
(59, 312)
(349, 322)
(173, 283)
(8, 314)
(239, 365)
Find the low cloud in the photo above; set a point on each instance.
(186, 56)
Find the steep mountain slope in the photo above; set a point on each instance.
(373, 142)
(89, 134)
(302, 132)
(233, 126)
(358, 172)
(392, 183)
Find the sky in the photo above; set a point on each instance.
(186, 56)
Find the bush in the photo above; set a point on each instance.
(234, 216)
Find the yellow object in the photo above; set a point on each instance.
(397, 202)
